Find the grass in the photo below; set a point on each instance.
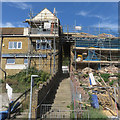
(21, 81)
(96, 114)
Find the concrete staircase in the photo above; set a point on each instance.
(63, 96)
(61, 106)
(23, 115)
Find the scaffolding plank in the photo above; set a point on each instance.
(104, 49)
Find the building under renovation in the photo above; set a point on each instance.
(46, 45)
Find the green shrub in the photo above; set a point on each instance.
(21, 81)
(105, 77)
(111, 83)
(86, 75)
(100, 80)
(68, 106)
(1, 81)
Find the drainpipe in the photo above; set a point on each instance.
(4, 73)
(1, 50)
(1, 56)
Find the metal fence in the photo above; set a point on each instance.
(81, 97)
(89, 30)
(57, 112)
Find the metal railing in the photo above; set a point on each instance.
(57, 112)
(42, 31)
(18, 102)
(90, 30)
(107, 96)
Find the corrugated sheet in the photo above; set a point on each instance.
(12, 31)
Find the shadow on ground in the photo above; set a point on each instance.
(51, 96)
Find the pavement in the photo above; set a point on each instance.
(4, 102)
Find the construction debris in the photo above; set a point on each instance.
(111, 69)
(107, 95)
(87, 70)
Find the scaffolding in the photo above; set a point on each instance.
(101, 45)
(42, 31)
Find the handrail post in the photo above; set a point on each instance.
(9, 110)
(35, 114)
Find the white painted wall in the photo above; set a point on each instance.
(15, 66)
(43, 15)
(25, 31)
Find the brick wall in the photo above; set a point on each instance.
(39, 93)
(6, 41)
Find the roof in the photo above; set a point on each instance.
(82, 34)
(45, 14)
(104, 35)
(12, 31)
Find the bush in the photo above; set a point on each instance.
(105, 77)
(100, 80)
(21, 81)
(86, 75)
(1, 81)
(111, 83)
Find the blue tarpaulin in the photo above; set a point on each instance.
(94, 103)
(4, 114)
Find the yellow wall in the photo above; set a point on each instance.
(6, 41)
(13, 71)
(42, 63)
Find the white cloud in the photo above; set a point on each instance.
(108, 24)
(14, 24)
(82, 13)
(100, 17)
(87, 14)
(20, 5)
(21, 25)
(7, 24)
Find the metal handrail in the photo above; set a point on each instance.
(11, 104)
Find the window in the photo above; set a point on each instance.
(43, 44)
(25, 61)
(10, 61)
(15, 45)
(19, 45)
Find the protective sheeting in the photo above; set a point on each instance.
(9, 92)
(92, 79)
(47, 25)
(94, 102)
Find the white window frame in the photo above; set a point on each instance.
(40, 42)
(10, 63)
(13, 45)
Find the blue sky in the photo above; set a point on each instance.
(84, 13)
